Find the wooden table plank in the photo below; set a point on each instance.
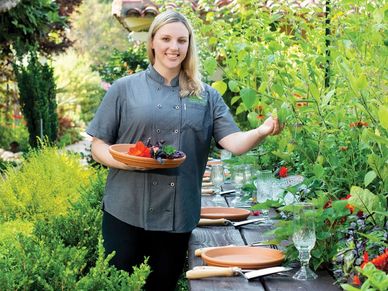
(323, 283)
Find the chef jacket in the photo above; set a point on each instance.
(141, 106)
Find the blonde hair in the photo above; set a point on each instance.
(189, 76)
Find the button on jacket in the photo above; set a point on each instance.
(140, 106)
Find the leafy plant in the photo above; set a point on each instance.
(123, 63)
(46, 183)
(37, 97)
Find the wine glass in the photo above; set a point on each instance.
(304, 238)
(238, 179)
(225, 157)
(264, 186)
(218, 177)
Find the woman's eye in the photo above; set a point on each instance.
(165, 39)
(182, 41)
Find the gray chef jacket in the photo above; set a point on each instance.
(140, 106)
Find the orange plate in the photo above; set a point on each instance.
(243, 257)
(120, 153)
(224, 212)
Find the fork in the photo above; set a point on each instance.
(261, 244)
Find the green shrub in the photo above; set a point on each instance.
(9, 134)
(105, 277)
(44, 186)
(64, 252)
(9, 229)
(29, 264)
(81, 226)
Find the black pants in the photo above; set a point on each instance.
(166, 251)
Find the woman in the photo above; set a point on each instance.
(152, 213)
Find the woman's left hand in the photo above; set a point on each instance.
(271, 126)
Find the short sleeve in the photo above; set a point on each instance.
(106, 121)
(223, 122)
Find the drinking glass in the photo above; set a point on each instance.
(218, 177)
(238, 179)
(264, 186)
(225, 156)
(303, 237)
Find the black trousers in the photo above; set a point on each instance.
(166, 251)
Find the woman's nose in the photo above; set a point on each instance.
(174, 45)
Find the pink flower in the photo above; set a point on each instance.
(105, 85)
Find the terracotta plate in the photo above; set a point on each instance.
(224, 212)
(243, 257)
(120, 153)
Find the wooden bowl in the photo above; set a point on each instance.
(120, 153)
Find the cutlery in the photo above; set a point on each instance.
(223, 221)
(227, 192)
(212, 271)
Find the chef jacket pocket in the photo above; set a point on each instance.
(196, 116)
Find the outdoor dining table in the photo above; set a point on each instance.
(212, 236)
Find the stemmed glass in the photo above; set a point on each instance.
(218, 177)
(264, 185)
(225, 157)
(304, 238)
(238, 179)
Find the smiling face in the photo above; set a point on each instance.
(170, 44)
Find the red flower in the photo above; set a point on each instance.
(365, 257)
(356, 280)
(283, 172)
(327, 204)
(381, 262)
(140, 150)
(358, 124)
(350, 207)
(260, 116)
(255, 212)
(343, 148)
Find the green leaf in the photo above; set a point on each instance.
(210, 65)
(348, 287)
(220, 86)
(241, 108)
(383, 116)
(248, 96)
(361, 82)
(233, 86)
(263, 87)
(278, 89)
(366, 201)
(318, 170)
(314, 91)
(369, 177)
(252, 118)
(327, 97)
(234, 99)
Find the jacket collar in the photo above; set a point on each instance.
(154, 75)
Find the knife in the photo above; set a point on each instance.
(227, 192)
(223, 221)
(212, 271)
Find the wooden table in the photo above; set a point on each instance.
(210, 236)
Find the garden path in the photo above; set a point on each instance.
(82, 147)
